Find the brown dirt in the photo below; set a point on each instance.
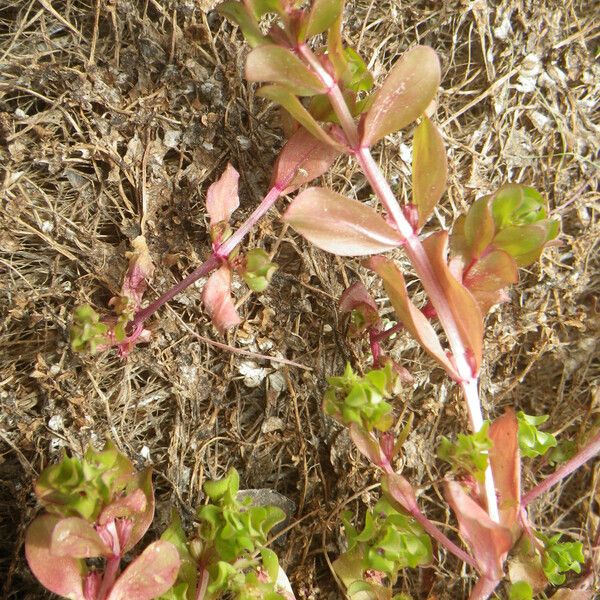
(116, 112)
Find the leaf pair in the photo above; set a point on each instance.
(500, 233)
(298, 24)
(459, 302)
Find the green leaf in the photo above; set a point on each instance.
(361, 400)
(563, 452)
(283, 96)
(258, 270)
(357, 76)
(430, 169)
(87, 332)
(560, 557)
(532, 441)
(340, 225)
(239, 14)
(520, 590)
(271, 63)
(469, 453)
(322, 14)
(188, 570)
(405, 94)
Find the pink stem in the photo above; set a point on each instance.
(431, 529)
(218, 255)
(585, 454)
(109, 577)
(416, 253)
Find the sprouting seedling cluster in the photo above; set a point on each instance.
(98, 508)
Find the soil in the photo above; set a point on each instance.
(116, 115)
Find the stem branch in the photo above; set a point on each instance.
(585, 454)
(417, 255)
(218, 255)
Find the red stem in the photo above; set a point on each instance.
(585, 454)
(417, 255)
(110, 575)
(214, 261)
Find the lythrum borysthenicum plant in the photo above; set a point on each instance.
(328, 94)
(327, 89)
(98, 508)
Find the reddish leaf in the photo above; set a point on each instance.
(322, 15)
(281, 95)
(302, 159)
(368, 446)
(355, 296)
(142, 520)
(401, 491)
(488, 277)
(412, 318)
(430, 169)
(505, 461)
(61, 575)
(127, 506)
(479, 228)
(339, 225)
(463, 306)
(222, 196)
(138, 274)
(405, 94)
(271, 63)
(217, 299)
(148, 576)
(489, 541)
(77, 538)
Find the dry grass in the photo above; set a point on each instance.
(115, 115)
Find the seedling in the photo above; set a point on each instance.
(98, 508)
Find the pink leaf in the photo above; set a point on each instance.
(271, 63)
(142, 519)
(77, 538)
(222, 196)
(217, 299)
(355, 296)
(489, 541)
(430, 169)
(150, 575)
(505, 461)
(463, 306)
(401, 491)
(302, 159)
(368, 446)
(488, 278)
(339, 225)
(413, 319)
(138, 274)
(405, 94)
(61, 575)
